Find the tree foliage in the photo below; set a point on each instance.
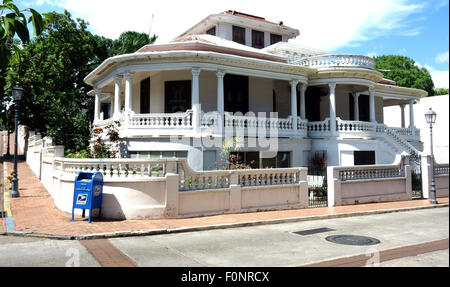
(440, 92)
(14, 35)
(51, 70)
(13, 22)
(130, 42)
(405, 72)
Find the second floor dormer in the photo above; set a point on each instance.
(246, 29)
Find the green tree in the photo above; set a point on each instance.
(14, 35)
(13, 22)
(51, 70)
(440, 91)
(130, 42)
(405, 72)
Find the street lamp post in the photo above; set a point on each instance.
(8, 154)
(17, 93)
(430, 117)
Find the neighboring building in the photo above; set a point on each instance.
(439, 104)
(234, 62)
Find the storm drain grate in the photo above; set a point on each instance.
(352, 240)
(313, 231)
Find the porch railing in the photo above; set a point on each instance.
(278, 127)
(162, 121)
(319, 128)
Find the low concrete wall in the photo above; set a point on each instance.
(367, 184)
(150, 189)
(215, 192)
(122, 199)
(441, 177)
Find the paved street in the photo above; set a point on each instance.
(269, 245)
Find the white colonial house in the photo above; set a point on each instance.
(235, 74)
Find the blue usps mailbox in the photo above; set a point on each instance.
(88, 193)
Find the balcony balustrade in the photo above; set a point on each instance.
(182, 124)
(338, 60)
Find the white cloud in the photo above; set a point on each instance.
(322, 24)
(440, 78)
(442, 57)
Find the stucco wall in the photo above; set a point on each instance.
(340, 152)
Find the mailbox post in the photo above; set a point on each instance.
(88, 193)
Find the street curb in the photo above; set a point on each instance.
(151, 232)
(308, 265)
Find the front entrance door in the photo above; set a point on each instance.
(364, 110)
(177, 96)
(236, 94)
(312, 104)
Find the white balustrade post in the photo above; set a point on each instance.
(302, 102)
(196, 99)
(128, 91)
(294, 84)
(411, 117)
(220, 95)
(117, 102)
(97, 106)
(372, 105)
(332, 87)
(356, 105)
(402, 108)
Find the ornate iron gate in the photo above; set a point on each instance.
(416, 174)
(317, 188)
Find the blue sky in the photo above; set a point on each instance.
(416, 29)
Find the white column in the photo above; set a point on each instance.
(195, 99)
(332, 87)
(117, 102)
(372, 105)
(356, 106)
(411, 116)
(294, 84)
(128, 91)
(302, 102)
(97, 106)
(402, 108)
(220, 93)
(111, 107)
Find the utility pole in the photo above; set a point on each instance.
(151, 24)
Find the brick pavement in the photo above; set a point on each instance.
(2, 220)
(34, 211)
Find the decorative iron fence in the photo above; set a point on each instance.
(317, 188)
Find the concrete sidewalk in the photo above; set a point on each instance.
(35, 214)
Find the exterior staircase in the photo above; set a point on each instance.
(396, 141)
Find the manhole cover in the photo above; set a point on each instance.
(352, 240)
